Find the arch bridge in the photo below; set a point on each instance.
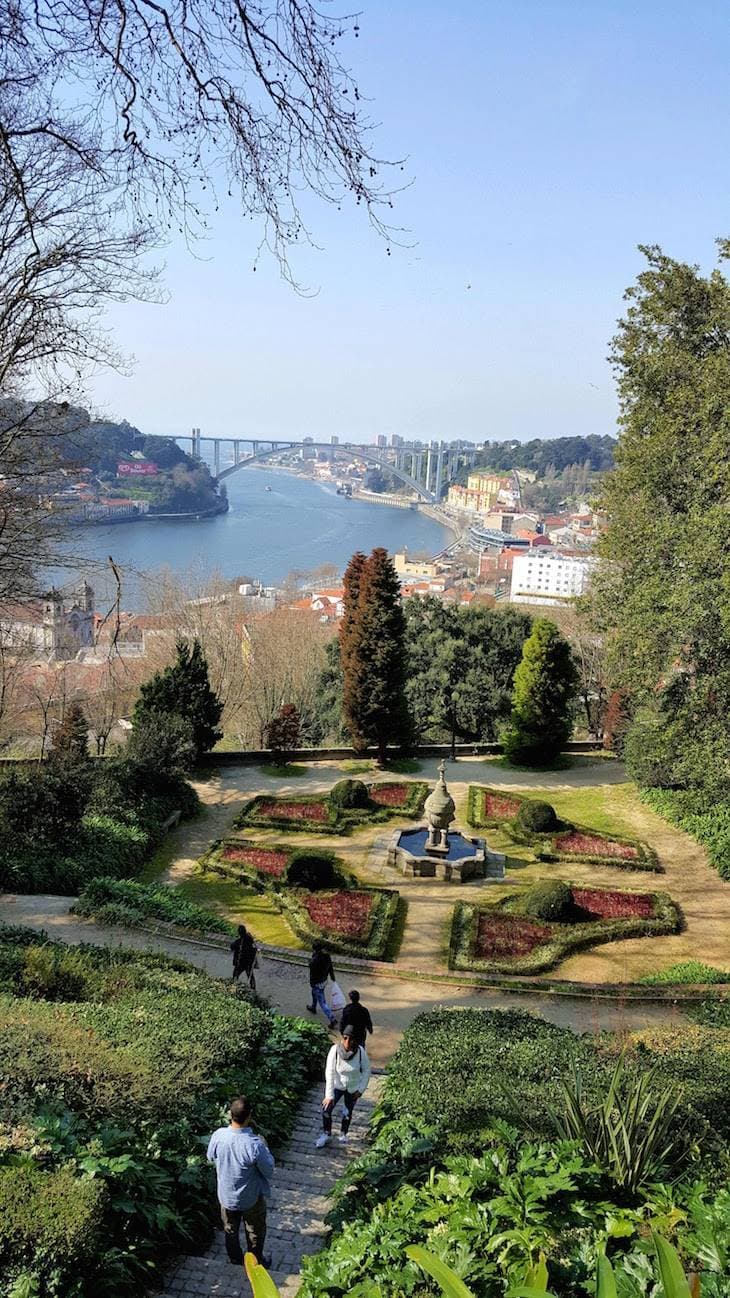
(429, 468)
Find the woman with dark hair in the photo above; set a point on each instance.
(245, 956)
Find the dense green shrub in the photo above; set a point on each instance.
(543, 689)
(182, 691)
(50, 1222)
(114, 1064)
(312, 869)
(537, 817)
(124, 901)
(550, 900)
(349, 794)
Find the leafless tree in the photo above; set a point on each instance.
(171, 100)
(284, 659)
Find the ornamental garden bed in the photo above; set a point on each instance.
(323, 812)
(506, 938)
(492, 809)
(351, 919)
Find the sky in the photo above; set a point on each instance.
(545, 140)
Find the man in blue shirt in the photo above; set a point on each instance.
(244, 1168)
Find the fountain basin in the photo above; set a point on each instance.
(464, 858)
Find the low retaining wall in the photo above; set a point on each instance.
(257, 756)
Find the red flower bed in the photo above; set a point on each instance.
(263, 859)
(293, 810)
(346, 913)
(603, 903)
(389, 795)
(501, 936)
(594, 845)
(495, 807)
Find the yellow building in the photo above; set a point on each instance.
(481, 493)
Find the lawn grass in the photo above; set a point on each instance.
(403, 765)
(608, 808)
(241, 905)
(289, 772)
(357, 768)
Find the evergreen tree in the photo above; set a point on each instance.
(183, 689)
(663, 594)
(282, 733)
(71, 739)
(372, 647)
(544, 686)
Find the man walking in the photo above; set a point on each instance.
(244, 1167)
(356, 1018)
(320, 969)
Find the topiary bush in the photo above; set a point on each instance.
(313, 870)
(349, 794)
(537, 817)
(551, 900)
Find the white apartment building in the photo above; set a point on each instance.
(548, 578)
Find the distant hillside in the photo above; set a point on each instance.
(556, 453)
(73, 440)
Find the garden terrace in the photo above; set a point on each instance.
(321, 813)
(97, 1048)
(507, 938)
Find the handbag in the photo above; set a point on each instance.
(337, 997)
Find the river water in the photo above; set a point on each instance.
(298, 524)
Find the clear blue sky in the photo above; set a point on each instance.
(546, 139)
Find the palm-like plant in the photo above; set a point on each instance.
(669, 1272)
(629, 1133)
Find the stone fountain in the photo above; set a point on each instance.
(436, 851)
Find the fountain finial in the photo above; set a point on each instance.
(440, 811)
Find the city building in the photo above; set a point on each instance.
(483, 492)
(549, 577)
(410, 569)
(381, 440)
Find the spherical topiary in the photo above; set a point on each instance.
(313, 870)
(349, 793)
(551, 901)
(537, 817)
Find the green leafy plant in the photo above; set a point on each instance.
(629, 1133)
(537, 817)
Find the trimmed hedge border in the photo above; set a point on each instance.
(148, 906)
(340, 820)
(546, 845)
(373, 947)
(577, 937)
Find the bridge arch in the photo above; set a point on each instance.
(349, 451)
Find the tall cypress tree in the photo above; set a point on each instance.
(544, 687)
(183, 689)
(373, 655)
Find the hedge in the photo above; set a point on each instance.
(118, 901)
(115, 1066)
(545, 844)
(339, 820)
(285, 897)
(563, 941)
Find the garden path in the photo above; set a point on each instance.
(393, 1002)
(303, 1179)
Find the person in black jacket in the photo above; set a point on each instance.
(320, 969)
(244, 956)
(356, 1018)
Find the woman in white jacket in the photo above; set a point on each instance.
(347, 1074)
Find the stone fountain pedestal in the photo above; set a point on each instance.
(429, 852)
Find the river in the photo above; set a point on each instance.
(298, 524)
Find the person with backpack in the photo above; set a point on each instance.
(357, 1018)
(245, 956)
(320, 969)
(347, 1073)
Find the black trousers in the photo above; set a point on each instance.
(350, 1103)
(254, 1224)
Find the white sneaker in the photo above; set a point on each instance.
(321, 1141)
(343, 1138)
